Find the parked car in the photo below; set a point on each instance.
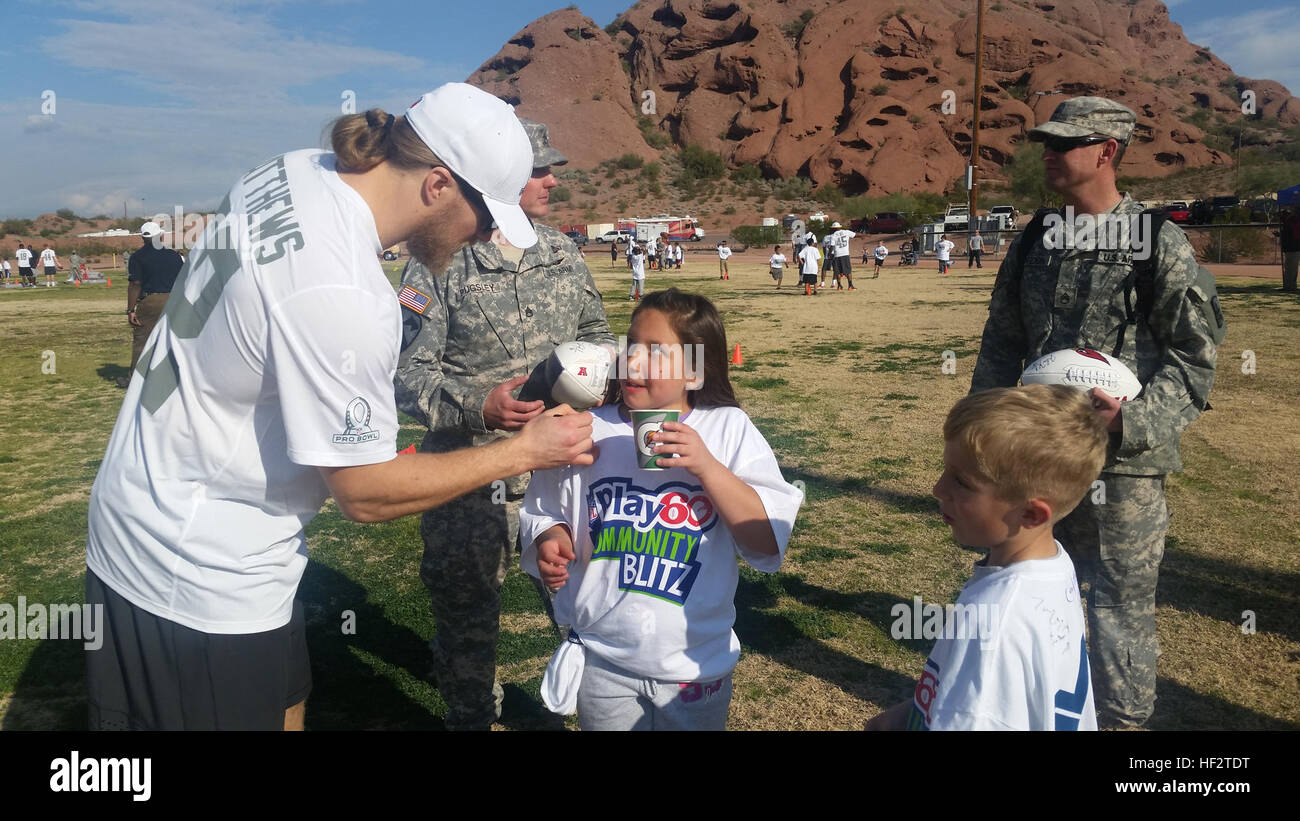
(615, 236)
(1007, 213)
(578, 237)
(1178, 212)
(887, 222)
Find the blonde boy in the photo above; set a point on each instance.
(1016, 461)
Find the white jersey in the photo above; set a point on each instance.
(6, 265)
(638, 266)
(942, 248)
(881, 251)
(650, 247)
(48, 258)
(777, 261)
(810, 256)
(653, 586)
(840, 241)
(723, 252)
(276, 355)
(1023, 663)
(24, 258)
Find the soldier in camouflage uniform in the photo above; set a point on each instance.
(493, 316)
(1067, 298)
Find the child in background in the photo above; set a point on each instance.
(723, 253)
(777, 263)
(808, 260)
(881, 253)
(645, 561)
(1016, 461)
(638, 273)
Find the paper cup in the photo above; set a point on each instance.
(646, 425)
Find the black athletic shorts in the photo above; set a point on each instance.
(155, 674)
(843, 265)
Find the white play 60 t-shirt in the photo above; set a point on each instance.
(275, 355)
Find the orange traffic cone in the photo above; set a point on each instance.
(76, 282)
(108, 283)
(736, 358)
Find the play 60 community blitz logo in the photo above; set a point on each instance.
(654, 534)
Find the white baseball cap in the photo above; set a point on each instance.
(479, 137)
(835, 225)
(150, 229)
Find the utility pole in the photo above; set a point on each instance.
(975, 127)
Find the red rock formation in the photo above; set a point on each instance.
(874, 95)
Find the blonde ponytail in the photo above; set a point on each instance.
(363, 141)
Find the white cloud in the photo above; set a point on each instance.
(227, 52)
(1260, 44)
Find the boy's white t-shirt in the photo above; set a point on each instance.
(810, 256)
(24, 258)
(942, 248)
(653, 586)
(276, 354)
(777, 261)
(48, 258)
(723, 252)
(881, 251)
(840, 241)
(1024, 662)
(638, 266)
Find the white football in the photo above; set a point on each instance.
(577, 373)
(1084, 369)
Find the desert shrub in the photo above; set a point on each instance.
(758, 234)
(561, 194)
(629, 161)
(794, 29)
(702, 164)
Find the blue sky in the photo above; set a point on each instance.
(158, 104)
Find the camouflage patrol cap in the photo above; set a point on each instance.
(1085, 116)
(544, 153)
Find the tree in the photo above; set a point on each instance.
(1028, 180)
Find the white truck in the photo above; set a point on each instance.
(956, 219)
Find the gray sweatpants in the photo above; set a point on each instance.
(611, 698)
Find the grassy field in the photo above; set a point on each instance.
(848, 389)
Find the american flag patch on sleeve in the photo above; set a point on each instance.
(413, 299)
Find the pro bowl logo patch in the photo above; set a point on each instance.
(356, 424)
(653, 533)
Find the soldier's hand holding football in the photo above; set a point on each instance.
(501, 411)
(1109, 408)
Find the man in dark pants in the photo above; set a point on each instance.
(150, 275)
(1290, 236)
(974, 250)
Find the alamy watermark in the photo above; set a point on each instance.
(80, 622)
(943, 621)
(1126, 236)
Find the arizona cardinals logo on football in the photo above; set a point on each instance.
(1092, 355)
